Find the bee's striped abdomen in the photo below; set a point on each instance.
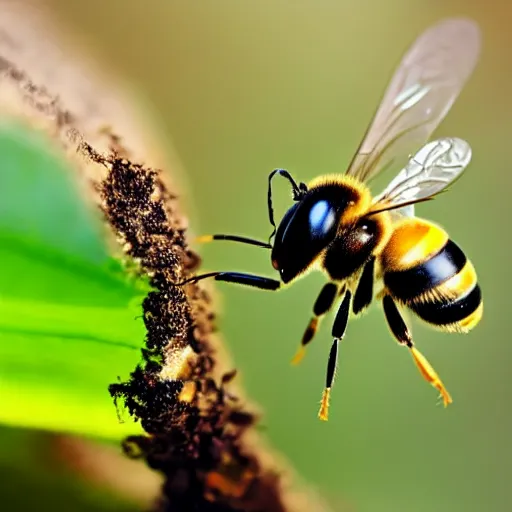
(426, 271)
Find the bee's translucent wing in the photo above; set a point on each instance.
(406, 211)
(435, 166)
(424, 87)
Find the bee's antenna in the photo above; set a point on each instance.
(298, 193)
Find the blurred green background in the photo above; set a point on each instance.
(243, 87)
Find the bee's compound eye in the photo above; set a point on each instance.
(321, 218)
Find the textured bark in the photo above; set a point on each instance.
(200, 431)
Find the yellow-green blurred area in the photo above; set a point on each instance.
(242, 87)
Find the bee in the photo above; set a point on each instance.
(357, 240)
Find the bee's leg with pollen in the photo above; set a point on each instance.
(402, 334)
(338, 331)
(322, 306)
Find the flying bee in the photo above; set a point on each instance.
(335, 225)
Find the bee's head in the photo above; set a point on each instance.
(309, 226)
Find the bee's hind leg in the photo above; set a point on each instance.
(402, 334)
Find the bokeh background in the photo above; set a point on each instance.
(241, 87)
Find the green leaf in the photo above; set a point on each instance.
(69, 319)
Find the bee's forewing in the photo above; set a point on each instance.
(424, 87)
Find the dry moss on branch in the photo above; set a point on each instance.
(196, 424)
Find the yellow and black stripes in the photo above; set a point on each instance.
(426, 271)
(460, 314)
(427, 275)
